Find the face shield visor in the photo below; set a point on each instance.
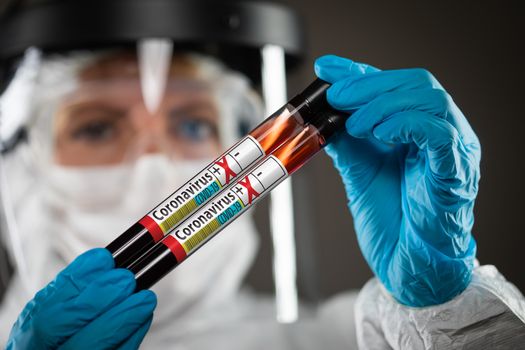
(80, 126)
(117, 117)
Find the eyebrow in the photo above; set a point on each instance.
(81, 106)
(206, 106)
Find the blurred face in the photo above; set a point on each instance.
(105, 121)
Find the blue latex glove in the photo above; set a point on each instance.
(409, 161)
(90, 305)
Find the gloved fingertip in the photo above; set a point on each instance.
(120, 279)
(148, 297)
(96, 257)
(350, 126)
(382, 133)
(331, 60)
(333, 96)
(125, 273)
(137, 337)
(87, 266)
(360, 125)
(345, 95)
(333, 68)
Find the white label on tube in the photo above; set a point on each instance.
(204, 185)
(241, 156)
(211, 218)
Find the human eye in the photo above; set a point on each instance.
(96, 126)
(94, 131)
(192, 127)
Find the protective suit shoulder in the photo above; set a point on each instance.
(489, 314)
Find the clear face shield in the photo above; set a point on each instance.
(108, 122)
(110, 108)
(118, 111)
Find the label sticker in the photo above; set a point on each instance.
(210, 219)
(203, 186)
(241, 156)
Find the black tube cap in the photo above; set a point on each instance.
(314, 108)
(330, 121)
(312, 99)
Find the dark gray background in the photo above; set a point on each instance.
(475, 50)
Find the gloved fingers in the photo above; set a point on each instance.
(117, 324)
(136, 339)
(362, 122)
(70, 281)
(61, 320)
(333, 68)
(83, 270)
(355, 91)
(355, 84)
(447, 157)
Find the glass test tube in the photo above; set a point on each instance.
(261, 141)
(209, 220)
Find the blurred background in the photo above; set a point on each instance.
(475, 49)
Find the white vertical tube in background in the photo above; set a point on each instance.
(281, 199)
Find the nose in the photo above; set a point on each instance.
(152, 145)
(149, 130)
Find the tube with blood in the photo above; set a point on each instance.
(261, 141)
(209, 220)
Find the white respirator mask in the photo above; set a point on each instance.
(99, 203)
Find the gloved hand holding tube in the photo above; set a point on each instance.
(71, 314)
(409, 161)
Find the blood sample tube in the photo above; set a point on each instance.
(209, 220)
(261, 141)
